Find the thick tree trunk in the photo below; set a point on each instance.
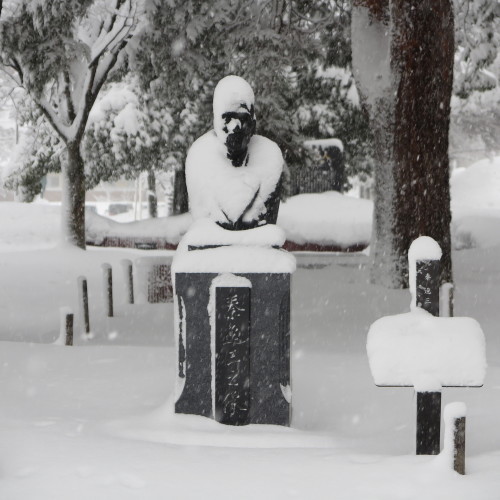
(371, 45)
(403, 61)
(73, 191)
(422, 55)
(152, 198)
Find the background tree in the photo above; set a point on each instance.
(403, 58)
(185, 48)
(476, 105)
(38, 152)
(278, 46)
(128, 133)
(62, 53)
(477, 42)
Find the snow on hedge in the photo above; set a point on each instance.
(427, 352)
(171, 228)
(477, 186)
(475, 202)
(326, 218)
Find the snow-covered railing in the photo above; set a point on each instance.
(421, 350)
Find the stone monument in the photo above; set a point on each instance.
(232, 279)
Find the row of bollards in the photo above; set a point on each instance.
(67, 317)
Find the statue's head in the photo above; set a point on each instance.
(234, 116)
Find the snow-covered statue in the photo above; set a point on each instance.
(231, 276)
(233, 176)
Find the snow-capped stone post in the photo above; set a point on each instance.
(107, 276)
(419, 349)
(83, 303)
(231, 279)
(424, 255)
(454, 436)
(129, 279)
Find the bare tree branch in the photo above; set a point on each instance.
(52, 117)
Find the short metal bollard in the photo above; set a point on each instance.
(69, 329)
(107, 275)
(83, 303)
(129, 279)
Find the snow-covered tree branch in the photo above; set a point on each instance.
(62, 53)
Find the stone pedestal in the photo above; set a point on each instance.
(259, 386)
(233, 334)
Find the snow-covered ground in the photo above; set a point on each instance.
(94, 421)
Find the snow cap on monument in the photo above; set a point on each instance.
(232, 93)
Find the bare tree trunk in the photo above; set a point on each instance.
(403, 62)
(73, 210)
(371, 46)
(152, 198)
(422, 55)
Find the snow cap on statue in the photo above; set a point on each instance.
(232, 93)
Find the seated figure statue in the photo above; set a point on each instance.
(234, 176)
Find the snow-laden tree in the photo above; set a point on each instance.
(477, 37)
(276, 45)
(329, 106)
(403, 54)
(62, 52)
(128, 133)
(38, 152)
(476, 104)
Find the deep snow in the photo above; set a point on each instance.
(94, 421)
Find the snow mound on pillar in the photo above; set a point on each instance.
(423, 248)
(420, 350)
(232, 93)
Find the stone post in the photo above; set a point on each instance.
(83, 302)
(428, 403)
(108, 289)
